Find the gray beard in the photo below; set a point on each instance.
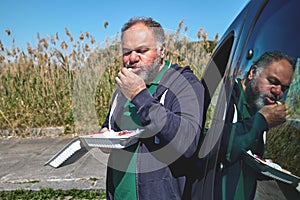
(254, 99)
(149, 72)
(259, 102)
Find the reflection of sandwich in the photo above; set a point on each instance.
(268, 162)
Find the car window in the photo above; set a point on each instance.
(293, 96)
(213, 81)
(214, 74)
(215, 106)
(275, 29)
(282, 144)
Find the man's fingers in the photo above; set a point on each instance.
(121, 75)
(104, 130)
(118, 81)
(125, 71)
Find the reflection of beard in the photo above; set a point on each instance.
(253, 96)
(256, 99)
(149, 72)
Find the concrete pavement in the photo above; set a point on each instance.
(22, 165)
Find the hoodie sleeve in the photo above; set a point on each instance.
(241, 135)
(177, 123)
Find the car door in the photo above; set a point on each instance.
(262, 26)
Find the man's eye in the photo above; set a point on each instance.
(273, 82)
(126, 53)
(138, 51)
(142, 51)
(276, 82)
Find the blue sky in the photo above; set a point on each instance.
(26, 18)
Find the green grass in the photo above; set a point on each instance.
(44, 194)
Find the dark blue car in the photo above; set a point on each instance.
(262, 26)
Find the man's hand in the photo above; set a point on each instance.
(104, 150)
(103, 130)
(275, 114)
(129, 83)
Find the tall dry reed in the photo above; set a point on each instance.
(70, 82)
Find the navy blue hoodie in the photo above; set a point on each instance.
(172, 120)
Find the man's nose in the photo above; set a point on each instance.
(133, 57)
(277, 90)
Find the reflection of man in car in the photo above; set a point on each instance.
(253, 109)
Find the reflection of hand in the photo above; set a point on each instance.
(129, 83)
(274, 114)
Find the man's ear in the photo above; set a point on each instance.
(252, 72)
(162, 51)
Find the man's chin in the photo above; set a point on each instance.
(259, 103)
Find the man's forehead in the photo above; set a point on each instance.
(282, 70)
(279, 66)
(138, 26)
(136, 32)
(138, 36)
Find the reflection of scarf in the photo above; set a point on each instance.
(243, 106)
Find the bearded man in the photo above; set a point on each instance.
(166, 102)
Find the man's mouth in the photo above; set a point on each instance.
(133, 69)
(270, 100)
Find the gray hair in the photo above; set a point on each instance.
(156, 28)
(268, 58)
